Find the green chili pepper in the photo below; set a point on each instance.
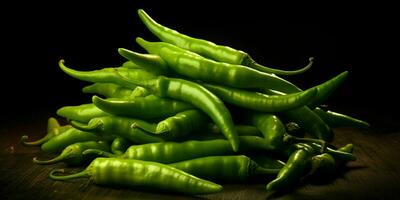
(170, 152)
(53, 129)
(294, 169)
(82, 113)
(148, 61)
(209, 49)
(212, 132)
(111, 90)
(177, 126)
(117, 126)
(195, 94)
(72, 154)
(70, 136)
(267, 161)
(262, 102)
(224, 168)
(149, 107)
(340, 156)
(192, 65)
(119, 145)
(137, 173)
(108, 75)
(335, 119)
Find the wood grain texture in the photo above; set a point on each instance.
(375, 174)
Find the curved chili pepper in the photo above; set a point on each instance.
(236, 168)
(148, 107)
(117, 126)
(137, 173)
(195, 94)
(262, 102)
(294, 169)
(70, 136)
(53, 129)
(209, 49)
(82, 113)
(109, 90)
(192, 65)
(72, 154)
(335, 119)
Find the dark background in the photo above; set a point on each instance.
(359, 39)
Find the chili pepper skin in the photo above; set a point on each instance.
(236, 168)
(209, 49)
(171, 152)
(338, 155)
(148, 61)
(117, 126)
(82, 113)
(119, 145)
(195, 94)
(71, 136)
(72, 154)
(149, 107)
(212, 132)
(197, 67)
(262, 102)
(267, 161)
(137, 173)
(177, 126)
(107, 75)
(53, 129)
(335, 119)
(293, 170)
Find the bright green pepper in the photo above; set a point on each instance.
(209, 49)
(335, 119)
(82, 113)
(137, 173)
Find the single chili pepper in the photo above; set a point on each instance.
(171, 152)
(294, 169)
(209, 49)
(177, 126)
(117, 126)
(262, 102)
(148, 107)
(212, 132)
(192, 65)
(335, 119)
(108, 75)
(119, 145)
(72, 154)
(53, 129)
(195, 94)
(325, 89)
(70, 136)
(82, 113)
(137, 173)
(109, 90)
(236, 168)
(148, 61)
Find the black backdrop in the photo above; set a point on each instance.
(87, 34)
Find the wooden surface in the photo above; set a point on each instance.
(375, 175)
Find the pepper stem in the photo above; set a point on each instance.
(38, 142)
(253, 64)
(99, 153)
(82, 174)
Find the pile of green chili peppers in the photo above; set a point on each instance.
(189, 115)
